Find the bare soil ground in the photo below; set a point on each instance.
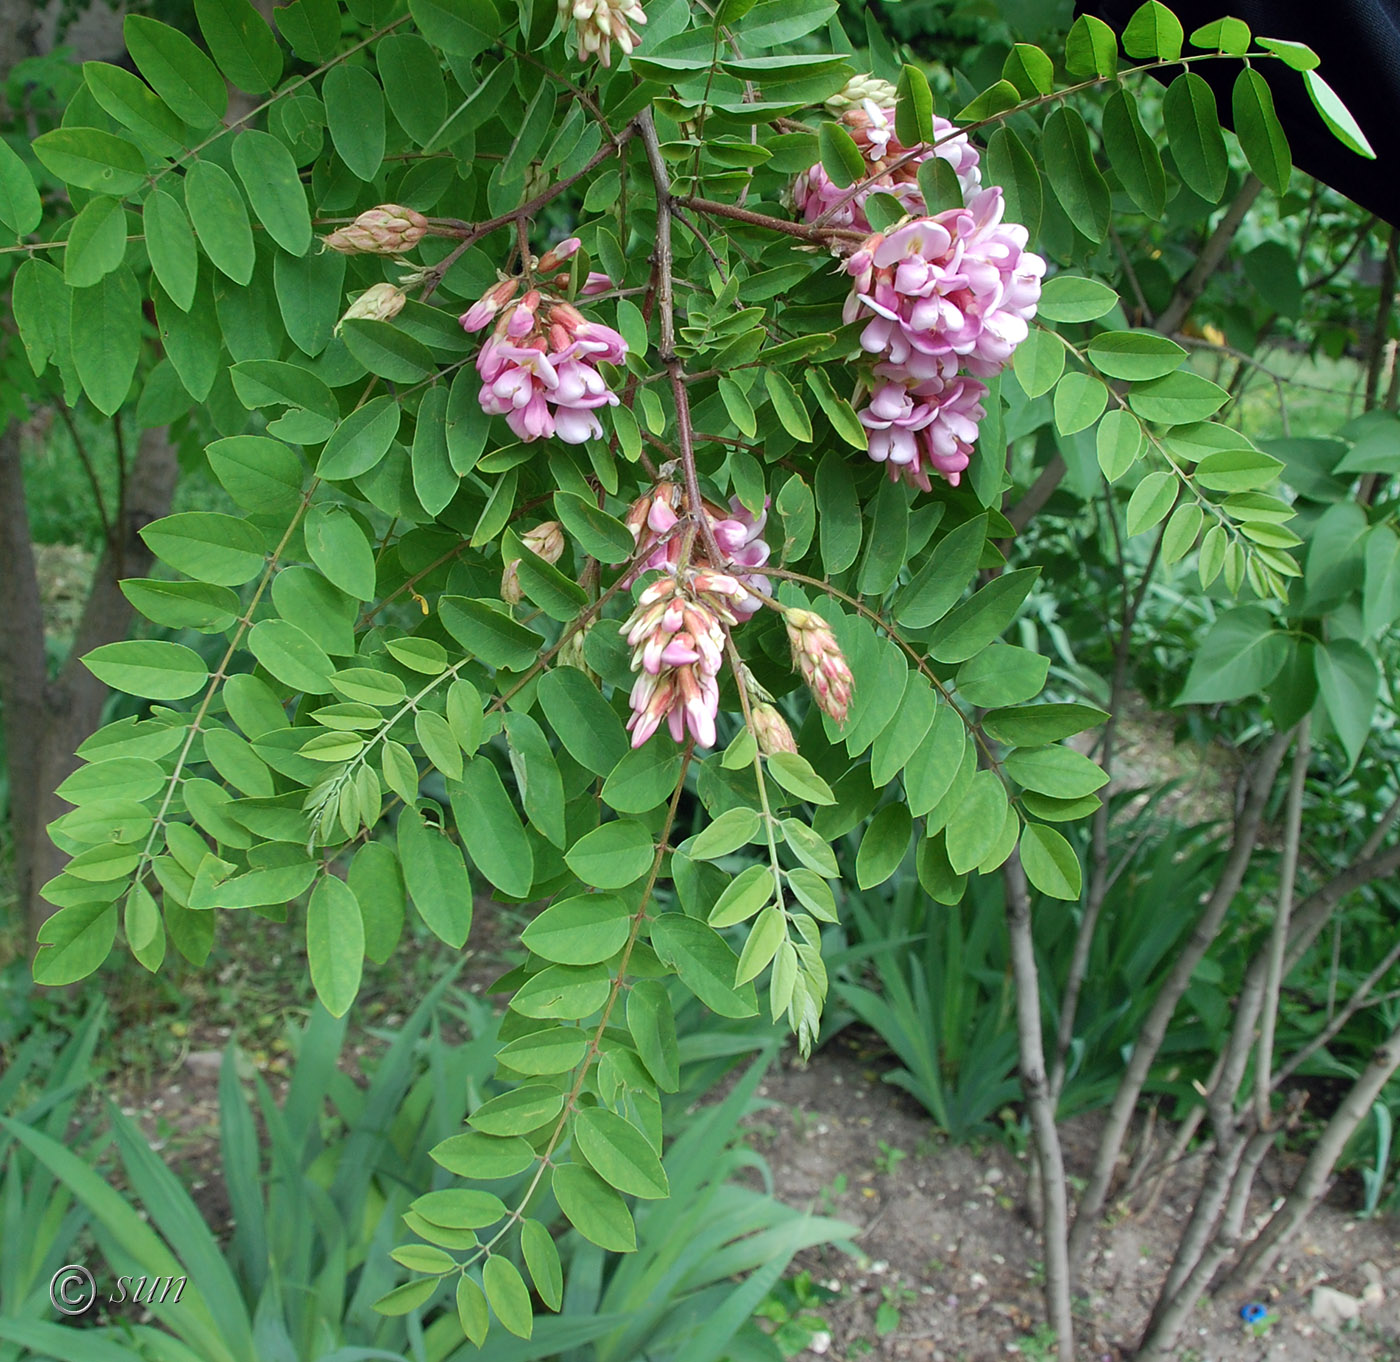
(946, 1239)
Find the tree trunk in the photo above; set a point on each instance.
(46, 718)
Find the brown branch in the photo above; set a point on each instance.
(1049, 1155)
(89, 469)
(23, 669)
(1380, 329)
(1100, 880)
(1278, 937)
(666, 309)
(806, 231)
(1212, 255)
(473, 232)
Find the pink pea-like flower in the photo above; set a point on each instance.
(539, 366)
(929, 425)
(677, 634)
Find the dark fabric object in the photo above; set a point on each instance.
(1359, 43)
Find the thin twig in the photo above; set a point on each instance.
(1099, 880)
(1278, 937)
(1354, 1004)
(108, 534)
(1317, 1172)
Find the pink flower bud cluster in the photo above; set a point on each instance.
(819, 659)
(738, 535)
(389, 229)
(677, 634)
(600, 23)
(946, 296)
(539, 366)
(872, 129)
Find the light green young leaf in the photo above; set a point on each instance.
(1152, 498)
(335, 943)
(1050, 862)
(507, 1295)
(1337, 116)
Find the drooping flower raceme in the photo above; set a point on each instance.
(871, 126)
(820, 661)
(955, 291)
(943, 297)
(915, 427)
(539, 366)
(677, 634)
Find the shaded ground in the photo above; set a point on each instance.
(947, 1241)
(949, 1265)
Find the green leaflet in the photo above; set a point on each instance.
(436, 879)
(270, 179)
(1075, 179)
(241, 42)
(355, 115)
(105, 329)
(1050, 862)
(157, 670)
(1193, 132)
(185, 79)
(20, 206)
(593, 1208)
(220, 219)
(335, 944)
(491, 829)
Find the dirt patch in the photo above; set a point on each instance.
(947, 1243)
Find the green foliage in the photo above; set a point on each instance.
(377, 678)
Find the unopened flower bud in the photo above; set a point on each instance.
(860, 88)
(511, 591)
(491, 302)
(545, 541)
(557, 255)
(819, 660)
(388, 229)
(596, 283)
(771, 731)
(571, 653)
(378, 303)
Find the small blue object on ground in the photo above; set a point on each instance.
(1253, 1312)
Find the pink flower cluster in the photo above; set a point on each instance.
(945, 296)
(539, 366)
(738, 535)
(872, 129)
(677, 634)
